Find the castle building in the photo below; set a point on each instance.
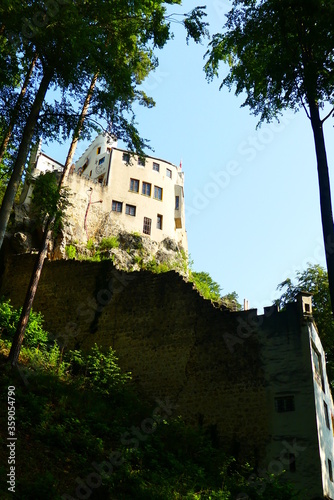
(137, 194)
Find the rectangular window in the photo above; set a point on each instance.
(177, 203)
(134, 185)
(126, 157)
(169, 173)
(141, 162)
(326, 415)
(156, 167)
(130, 210)
(147, 225)
(318, 367)
(98, 151)
(102, 160)
(146, 189)
(117, 206)
(284, 404)
(159, 221)
(108, 150)
(157, 193)
(330, 470)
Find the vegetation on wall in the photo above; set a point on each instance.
(314, 279)
(80, 412)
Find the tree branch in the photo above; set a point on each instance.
(327, 116)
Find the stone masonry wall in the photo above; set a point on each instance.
(170, 338)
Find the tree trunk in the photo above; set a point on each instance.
(22, 155)
(37, 271)
(16, 109)
(325, 194)
(78, 129)
(34, 280)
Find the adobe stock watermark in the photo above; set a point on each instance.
(132, 439)
(247, 151)
(285, 460)
(248, 323)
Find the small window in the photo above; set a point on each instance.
(168, 173)
(130, 210)
(326, 415)
(102, 160)
(318, 367)
(134, 185)
(156, 167)
(108, 150)
(157, 193)
(141, 162)
(117, 206)
(159, 221)
(98, 151)
(147, 225)
(126, 157)
(146, 189)
(177, 203)
(284, 404)
(330, 470)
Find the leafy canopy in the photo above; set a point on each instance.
(279, 52)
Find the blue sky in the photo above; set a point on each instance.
(252, 196)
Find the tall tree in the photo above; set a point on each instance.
(132, 59)
(280, 53)
(111, 38)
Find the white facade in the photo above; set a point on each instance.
(145, 195)
(324, 412)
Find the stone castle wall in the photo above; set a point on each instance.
(172, 340)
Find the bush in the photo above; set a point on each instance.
(100, 370)
(34, 336)
(90, 244)
(109, 243)
(70, 251)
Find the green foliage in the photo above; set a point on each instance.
(71, 251)
(279, 53)
(230, 300)
(109, 243)
(103, 371)
(90, 244)
(9, 316)
(72, 424)
(314, 279)
(48, 200)
(209, 288)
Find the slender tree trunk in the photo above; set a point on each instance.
(22, 155)
(78, 129)
(16, 109)
(325, 194)
(34, 280)
(47, 235)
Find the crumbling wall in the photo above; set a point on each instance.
(176, 344)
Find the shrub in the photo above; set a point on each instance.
(35, 335)
(109, 243)
(99, 369)
(70, 251)
(90, 244)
